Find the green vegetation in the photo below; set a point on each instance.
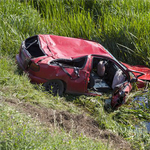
(121, 26)
(19, 131)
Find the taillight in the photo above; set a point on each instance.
(34, 66)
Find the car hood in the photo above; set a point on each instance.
(139, 68)
(66, 47)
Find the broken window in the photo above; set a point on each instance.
(71, 63)
(33, 47)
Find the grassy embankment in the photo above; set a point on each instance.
(121, 26)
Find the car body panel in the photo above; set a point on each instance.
(141, 69)
(66, 47)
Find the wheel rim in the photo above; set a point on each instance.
(55, 87)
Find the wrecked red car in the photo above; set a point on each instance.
(72, 65)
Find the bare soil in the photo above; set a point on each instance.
(71, 123)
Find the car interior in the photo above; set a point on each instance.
(102, 75)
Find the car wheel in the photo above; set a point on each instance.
(55, 87)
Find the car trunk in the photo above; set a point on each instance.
(30, 49)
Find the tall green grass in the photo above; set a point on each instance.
(127, 25)
(121, 26)
(17, 22)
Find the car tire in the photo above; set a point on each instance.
(55, 87)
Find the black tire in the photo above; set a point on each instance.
(55, 87)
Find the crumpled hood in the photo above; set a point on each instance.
(141, 69)
(66, 47)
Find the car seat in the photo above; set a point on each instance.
(101, 68)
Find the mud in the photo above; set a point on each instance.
(71, 123)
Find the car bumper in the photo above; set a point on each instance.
(37, 80)
(34, 79)
(19, 63)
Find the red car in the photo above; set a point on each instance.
(72, 65)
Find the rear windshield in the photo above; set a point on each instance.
(33, 47)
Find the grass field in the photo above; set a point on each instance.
(122, 26)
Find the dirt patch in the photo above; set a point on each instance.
(70, 122)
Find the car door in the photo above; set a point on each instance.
(74, 72)
(80, 77)
(120, 93)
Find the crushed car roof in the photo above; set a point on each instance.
(66, 47)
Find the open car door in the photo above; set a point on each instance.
(119, 94)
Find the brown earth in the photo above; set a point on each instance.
(71, 122)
